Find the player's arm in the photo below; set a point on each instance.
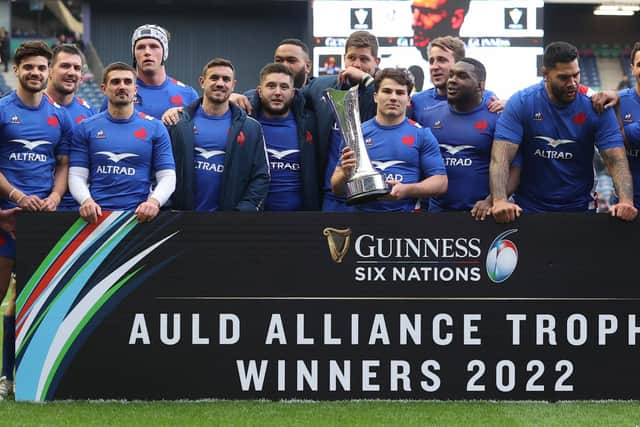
(165, 166)
(604, 99)
(171, 117)
(434, 185)
(502, 155)
(89, 210)
(615, 160)
(432, 171)
(165, 185)
(24, 201)
(342, 172)
(259, 178)
(482, 208)
(496, 105)
(52, 201)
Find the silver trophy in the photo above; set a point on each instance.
(366, 183)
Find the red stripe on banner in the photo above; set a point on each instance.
(56, 266)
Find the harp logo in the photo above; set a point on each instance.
(338, 241)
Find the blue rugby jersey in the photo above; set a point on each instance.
(406, 152)
(285, 188)
(78, 110)
(630, 114)
(122, 156)
(210, 137)
(556, 147)
(422, 101)
(30, 140)
(465, 141)
(155, 100)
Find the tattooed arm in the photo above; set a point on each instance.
(615, 159)
(502, 154)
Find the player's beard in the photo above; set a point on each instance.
(283, 110)
(299, 79)
(561, 95)
(60, 88)
(218, 100)
(25, 85)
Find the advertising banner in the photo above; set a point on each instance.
(326, 307)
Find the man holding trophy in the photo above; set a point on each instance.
(406, 155)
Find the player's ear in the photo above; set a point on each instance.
(544, 72)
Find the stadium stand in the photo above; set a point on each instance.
(5, 89)
(90, 92)
(589, 69)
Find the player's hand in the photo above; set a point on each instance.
(90, 211)
(352, 75)
(398, 190)
(8, 221)
(50, 204)
(147, 210)
(504, 211)
(624, 210)
(347, 160)
(496, 105)
(171, 117)
(30, 203)
(242, 102)
(604, 99)
(481, 209)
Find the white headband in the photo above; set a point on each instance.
(151, 32)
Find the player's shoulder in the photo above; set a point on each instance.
(96, 118)
(8, 100)
(139, 115)
(323, 82)
(84, 104)
(175, 82)
(413, 124)
(51, 104)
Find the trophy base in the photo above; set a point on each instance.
(365, 189)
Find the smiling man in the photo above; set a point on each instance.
(289, 132)
(404, 152)
(221, 159)
(116, 154)
(464, 129)
(67, 69)
(34, 146)
(554, 128)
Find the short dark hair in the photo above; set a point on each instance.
(116, 66)
(399, 75)
(451, 44)
(295, 42)
(71, 49)
(32, 48)
(273, 69)
(558, 52)
(636, 48)
(217, 62)
(478, 68)
(362, 39)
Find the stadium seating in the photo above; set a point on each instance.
(625, 63)
(589, 69)
(90, 92)
(5, 89)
